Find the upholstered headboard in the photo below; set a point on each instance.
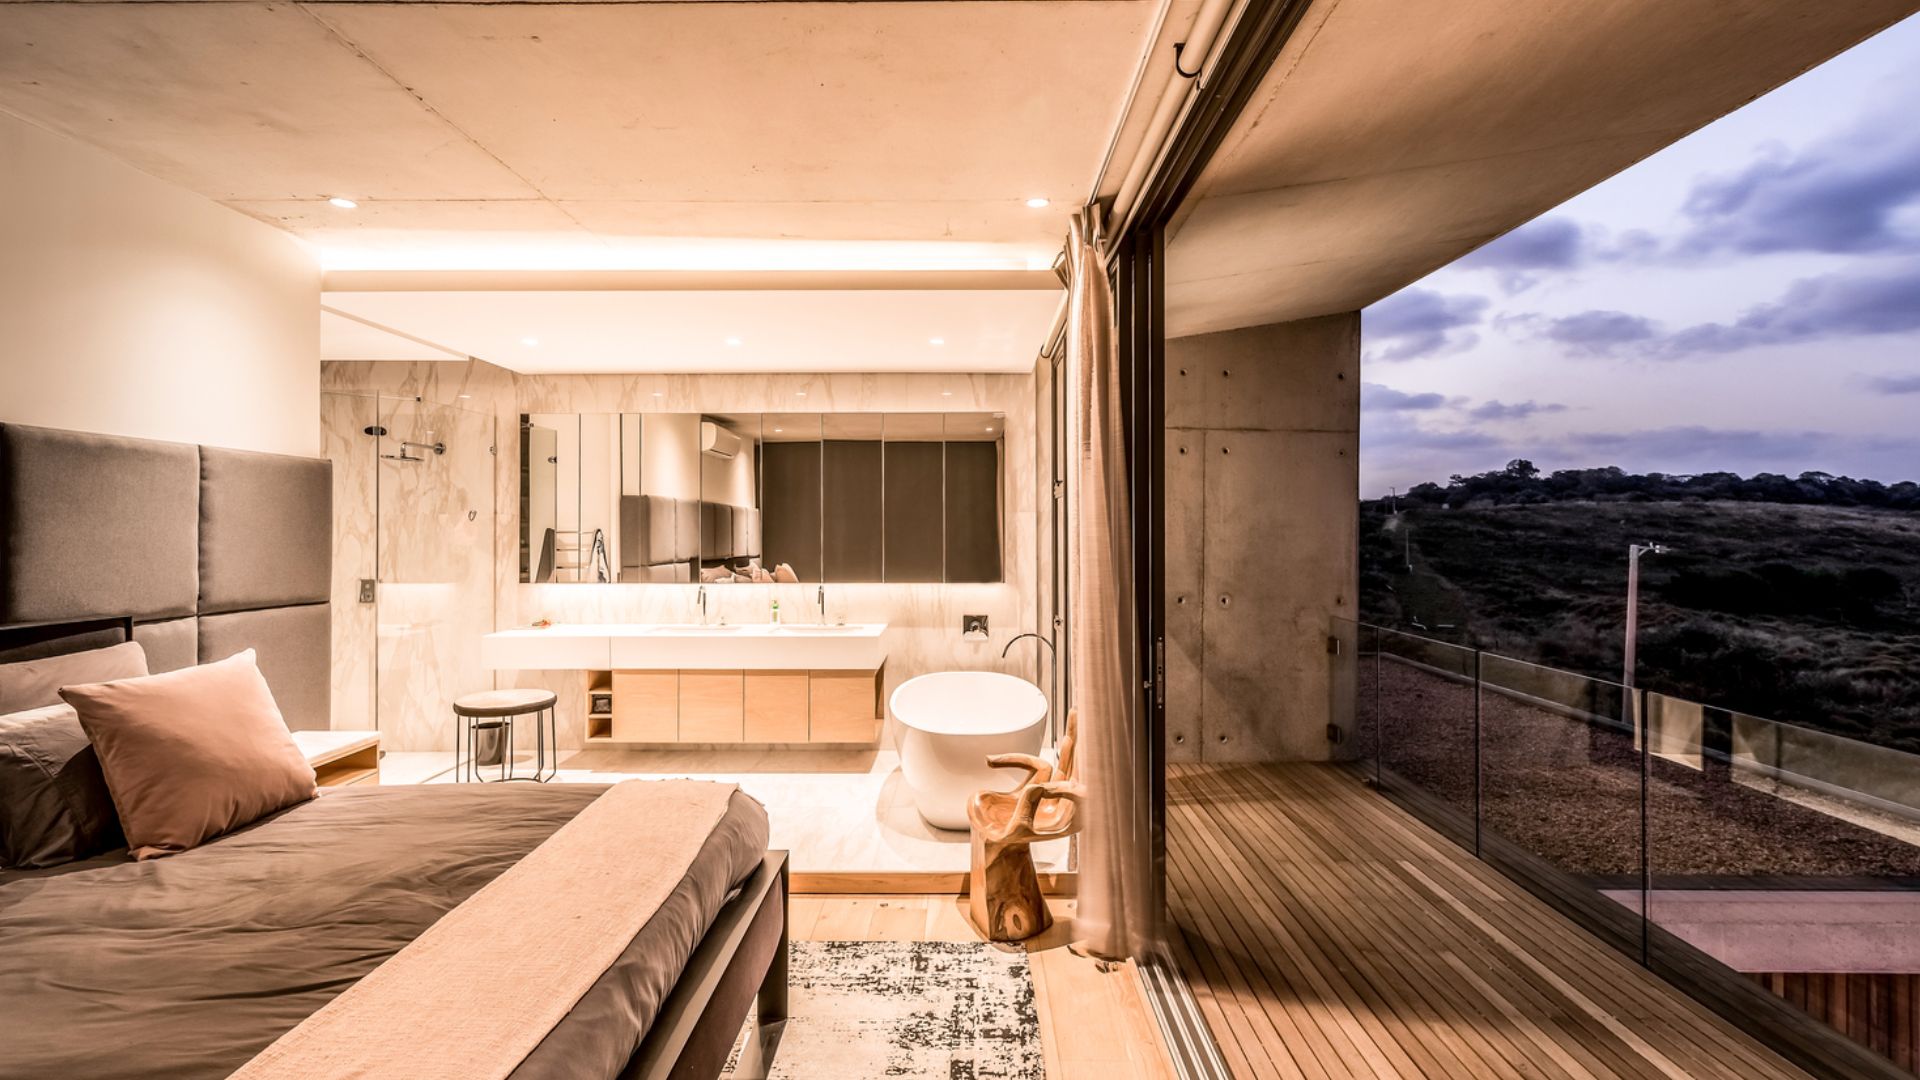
(203, 552)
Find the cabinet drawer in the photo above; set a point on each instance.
(776, 706)
(711, 707)
(646, 706)
(844, 706)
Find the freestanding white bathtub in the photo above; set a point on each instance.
(950, 721)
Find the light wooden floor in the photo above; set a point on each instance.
(1326, 933)
(1094, 1024)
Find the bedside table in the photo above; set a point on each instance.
(341, 757)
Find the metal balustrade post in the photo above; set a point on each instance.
(1478, 773)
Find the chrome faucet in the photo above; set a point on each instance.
(701, 599)
(1028, 634)
(820, 598)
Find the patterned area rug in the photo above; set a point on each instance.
(953, 1010)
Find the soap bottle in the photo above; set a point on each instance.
(775, 620)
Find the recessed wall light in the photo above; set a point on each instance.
(530, 342)
(1038, 203)
(734, 342)
(344, 203)
(937, 341)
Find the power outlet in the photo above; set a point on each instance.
(973, 626)
(366, 590)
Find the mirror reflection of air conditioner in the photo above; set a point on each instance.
(717, 440)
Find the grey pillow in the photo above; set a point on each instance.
(54, 803)
(32, 684)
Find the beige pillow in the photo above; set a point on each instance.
(191, 754)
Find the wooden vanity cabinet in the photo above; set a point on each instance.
(776, 706)
(712, 706)
(655, 707)
(844, 706)
(646, 706)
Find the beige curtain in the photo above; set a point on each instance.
(1114, 920)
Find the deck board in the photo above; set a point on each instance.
(1327, 933)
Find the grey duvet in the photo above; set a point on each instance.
(185, 967)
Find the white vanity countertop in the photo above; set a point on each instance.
(713, 647)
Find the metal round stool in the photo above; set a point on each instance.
(494, 710)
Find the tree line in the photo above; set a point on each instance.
(1521, 483)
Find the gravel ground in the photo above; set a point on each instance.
(1570, 793)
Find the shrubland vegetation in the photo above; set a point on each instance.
(1796, 599)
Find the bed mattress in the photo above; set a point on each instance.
(183, 968)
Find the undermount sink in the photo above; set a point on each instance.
(754, 646)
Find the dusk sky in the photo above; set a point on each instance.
(1746, 300)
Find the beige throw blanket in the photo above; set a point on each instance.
(471, 998)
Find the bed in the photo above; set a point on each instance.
(192, 965)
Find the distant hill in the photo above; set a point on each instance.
(1796, 599)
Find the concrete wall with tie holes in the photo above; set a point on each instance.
(1263, 434)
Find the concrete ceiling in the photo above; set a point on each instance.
(1393, 137)
(713, 330)
(617, 135)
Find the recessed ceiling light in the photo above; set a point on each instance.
(734, 341)
(777, 431)
(530, 342)
(464, 397)
(799, 393)
(344, 203)
(659, 393)
(1038, 203)
(946, 393)
(937, 341)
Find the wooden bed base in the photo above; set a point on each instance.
(741, 961)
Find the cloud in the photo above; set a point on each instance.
(1523, 258)
(1852, 303)
(1895, 384)
(1547, 243)
(1845, 194)
(1375, 397)
(1500, 410)
(1721, 448)
(1599, 333)
(1414, 323)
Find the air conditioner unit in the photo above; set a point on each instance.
(717, 440)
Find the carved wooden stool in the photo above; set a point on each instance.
(1003, 892)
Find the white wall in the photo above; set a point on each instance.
(670, 455)
(134, 307)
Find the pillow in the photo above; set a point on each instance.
(35, 684)
(54, 805)
(191, 754)
(785, 575)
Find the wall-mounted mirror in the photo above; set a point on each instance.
(761, 497)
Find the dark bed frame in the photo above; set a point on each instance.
(198, 553)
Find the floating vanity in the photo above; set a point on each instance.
(752, 683)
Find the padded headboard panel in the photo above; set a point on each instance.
(206, 552)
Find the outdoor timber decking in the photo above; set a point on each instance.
(1326, 933)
